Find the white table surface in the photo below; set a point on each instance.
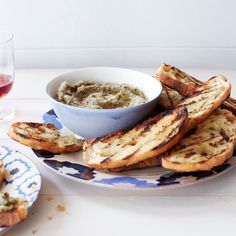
(205, 209)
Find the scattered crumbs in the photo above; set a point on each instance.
(49, 198)
(49, 218)
(34, 231)
(60, 208)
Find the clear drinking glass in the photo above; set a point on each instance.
(7, 70)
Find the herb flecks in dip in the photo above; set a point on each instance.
(94, 95)
(7, 203)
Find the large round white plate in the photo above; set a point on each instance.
(23, 179)
(73, 167)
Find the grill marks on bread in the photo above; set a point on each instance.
(43, 137)
(178, 80)
(211, 144)
(205, 100)
(148, 139)
(186, 84)
(158, 134)
(168, 97)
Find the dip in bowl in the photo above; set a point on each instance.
(91, 121)
(97, 95)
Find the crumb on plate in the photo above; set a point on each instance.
(34, 231)
(60, 208)
(49, 198)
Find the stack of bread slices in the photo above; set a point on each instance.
(196, 131)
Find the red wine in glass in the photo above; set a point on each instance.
(5, 84)
(7, 68)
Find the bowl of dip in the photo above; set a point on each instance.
(96, 101)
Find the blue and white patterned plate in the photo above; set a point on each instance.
(73, 167)
(22, 177)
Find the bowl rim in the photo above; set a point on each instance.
(91, 110)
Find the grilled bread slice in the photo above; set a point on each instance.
(230, 104)
(206, 99)
(186, 84)
(44, 137)
(150, 162)
(2, 172)
(168, 97)
(209, 145)
(148, 139)
(12, 210)
(176, 79)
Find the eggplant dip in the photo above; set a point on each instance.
(94, 95)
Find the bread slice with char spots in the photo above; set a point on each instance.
(150, 162)
(205, 100)
(177, 79)
(210, 144)
(44, 137)
(185, 84)
(148, 139)
(16, 214)
(168, 97)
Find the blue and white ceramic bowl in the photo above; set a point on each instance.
(90, 123)
(23, 179)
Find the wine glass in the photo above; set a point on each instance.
(7, 70)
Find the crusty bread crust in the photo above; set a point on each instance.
(230, 104)
(15, 216)
(205, 100)
(137, 144)
(178, 80)
(54, 143)
(186, 84)
(168, 97)
(151, 162)
(204, 166)
(2, 172)
(209, 145)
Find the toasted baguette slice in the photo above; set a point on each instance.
(150, 162)
(168, 97)
(230, 104)
(186, 84)
(44, 137)
(211, 144)
(2, 173)
(148, 139)
(176, 79)
(12, 210)
(206, 99)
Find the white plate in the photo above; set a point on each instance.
(22, 177)
(73, 167)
